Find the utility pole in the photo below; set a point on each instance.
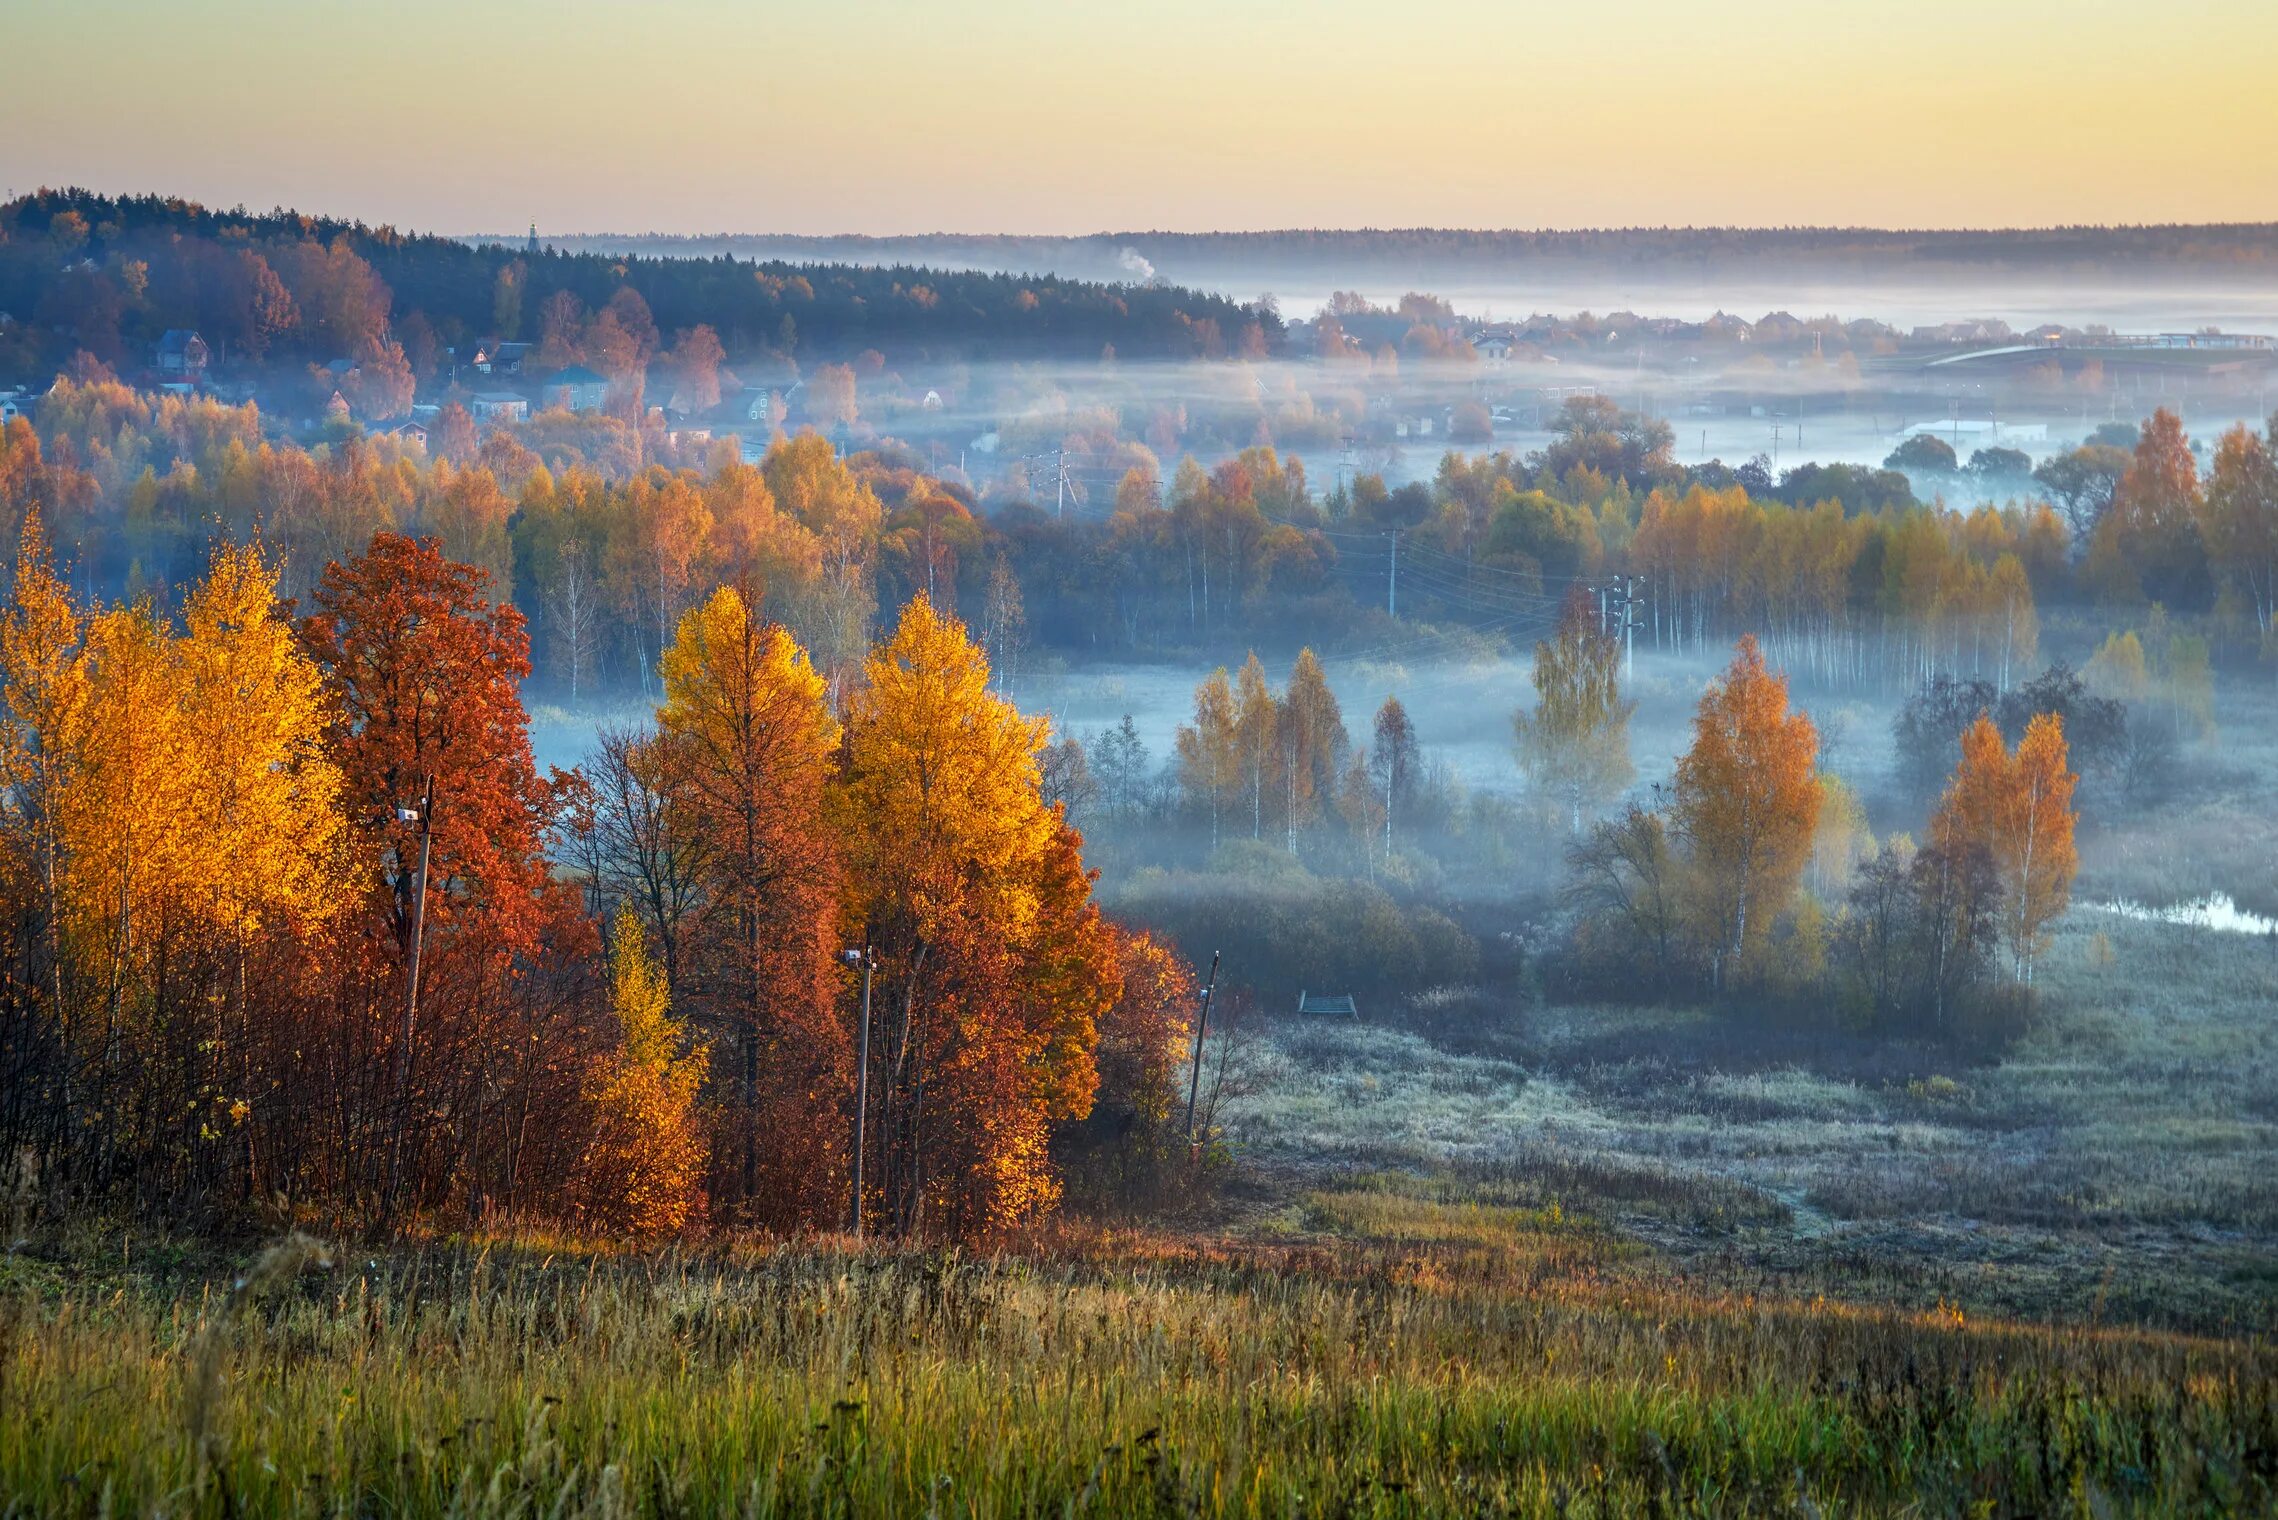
(866, 961)
(1201, 1028)
(1630, 614)
(1392, 578)
(425, 814)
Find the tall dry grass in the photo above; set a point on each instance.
(1487, 1362)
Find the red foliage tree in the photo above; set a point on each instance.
(425, 673)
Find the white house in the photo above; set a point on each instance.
(498, 406)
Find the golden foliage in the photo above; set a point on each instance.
(643, 1169)
(2017, 807)
(1748, 799)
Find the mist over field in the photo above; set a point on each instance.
(1373, 872)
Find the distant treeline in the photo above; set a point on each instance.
(111, 274)
(605, 534)
(1125, 255)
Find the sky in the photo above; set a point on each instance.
(887, 116)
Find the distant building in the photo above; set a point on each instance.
(12, 406)
(412, 435)
(576, 389)
(498, 406)
(492, 357)
(1494, 347)
(1320, 1005)
(1963, 332)
(1979, 431)
(180, 354)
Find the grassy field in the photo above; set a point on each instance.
(1431, 1348)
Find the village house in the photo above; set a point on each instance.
(180, 354)
(498, 406)
(576, 389)
(493, 357)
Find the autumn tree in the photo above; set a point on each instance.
(642, 1170)
(1747, 802)
(1127, 1149)
(1310, 731)
(1393, 762)
(2239, 523)
(2016, 807)
(1628, 881)
(423, 675)
(992, 963)
(1256, 725)
(637, 846)
(743, 751)
(172, 834)
(2148, 544)
(815, 489)
(696, 358)
(1574, 746)
(1210, 755)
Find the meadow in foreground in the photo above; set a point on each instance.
(1422, 1351)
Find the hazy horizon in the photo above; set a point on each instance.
(882, 118)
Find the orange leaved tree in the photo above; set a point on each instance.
(2017, 807)
(993, 966)
(1747, 801)
(423, 672)
(744, 748)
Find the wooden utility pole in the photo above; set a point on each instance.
(426, 817)
(863, 957)
(1201, 1028)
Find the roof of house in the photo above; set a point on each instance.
(500, 398)
(1314, 1002)
(577, 374)
(176, 340)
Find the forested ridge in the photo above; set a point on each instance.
(2247, 245)
(119, 271)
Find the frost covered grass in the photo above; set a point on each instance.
(2120, 1162)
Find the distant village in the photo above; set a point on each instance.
(1412, 373)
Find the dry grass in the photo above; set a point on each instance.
(1435, 1355)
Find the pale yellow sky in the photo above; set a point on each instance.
(1015, 115)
